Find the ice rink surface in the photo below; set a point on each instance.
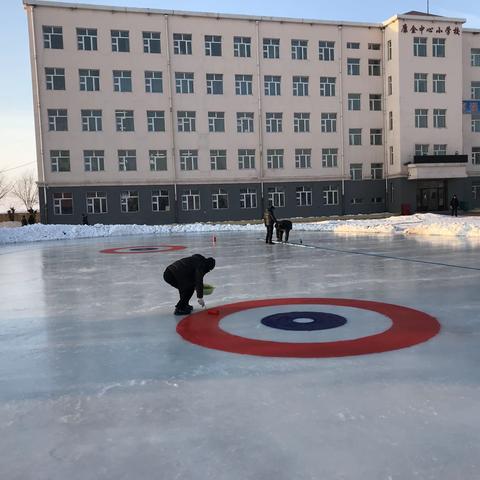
(96, 383)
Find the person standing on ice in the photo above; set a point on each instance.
(186, 275)
(269, 220)
(454, 205)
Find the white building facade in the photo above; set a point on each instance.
(153, 116)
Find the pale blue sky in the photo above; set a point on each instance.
(16, 111)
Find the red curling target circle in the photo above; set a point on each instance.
(409, 327)
(144, 249)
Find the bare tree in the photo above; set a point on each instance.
(5, 187)
(25, 189)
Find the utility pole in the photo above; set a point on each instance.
(428, 6)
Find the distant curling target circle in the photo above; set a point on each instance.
(409, 327)
(302, 321)
(144, 249)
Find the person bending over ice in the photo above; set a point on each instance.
(281, 227)
(186, 275)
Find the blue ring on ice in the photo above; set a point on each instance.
(294, 321)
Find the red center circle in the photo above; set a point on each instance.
(147, 249)
(409, 327)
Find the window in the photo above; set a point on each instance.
(390, 150)
(303, 196)
(246, 158)
(120, 41)
(329, 157)
(326, 51)
(186, 121)
(188, 160)
(151, 42)
(353, 66)
(421, 118)
(377, 200)
(328, 122)
(420, 47)
(374, 46)
(213, 45)
(330, 195)
(300, 86)
(87, 39)
(440, 149)
(190, 200)
(160, 201)
(57, 120)
(353, 45)
(272, 85)
(354, 101)
(356, 171)
(245, 122)
(327, 86)
(420, 82)
(96, 202)
(374, 67)
(157, 160)
(275, 158)
(375, 136)
(389, 50)
(354, 136)
(299, 49)
(91, 120)
(475, 122)
(218, 159)
(153, 82)
(303, 158)
(63, 203)
(271, 48)
(376, 170)
(55, 78)
(216, 121)
(248, 198)
(129, 201)
(127, 160)
(439, 118)
(476, 155)
(439, 82)
(242, 46)
(356, 200)
(243, 84)
(390, 120)
(122, 81)
(276, 196)
(390, 85)
(214, 84)
(89, 80)
(421, 149)
(274, 122)
(475, 90)
(301, 122)
(438, 47)
(182, 43)
(183, 82)
(475, 57)
(219, 199)
(375, 102)
(476, 191)
(60, 160)
(52, 37)
(155, 120)
(124, 120)
(94, 160)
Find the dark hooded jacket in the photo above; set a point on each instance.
(189, 271)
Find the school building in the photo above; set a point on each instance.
(159, 116)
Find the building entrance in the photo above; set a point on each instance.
(431, 196)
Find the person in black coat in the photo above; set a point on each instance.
(454, 205)
(186, 275)
(269, 221)
(283, 226)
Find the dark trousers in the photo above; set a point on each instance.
(186, 291)
(268, 238)
(454, 211)
(280, 235)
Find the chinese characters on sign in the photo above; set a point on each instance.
(414, 29)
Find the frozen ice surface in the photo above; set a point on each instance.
(95, 383)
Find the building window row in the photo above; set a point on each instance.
(439, 118)
(420, 82)
(424, 149)
(420, 47)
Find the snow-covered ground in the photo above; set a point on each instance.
(418, 224)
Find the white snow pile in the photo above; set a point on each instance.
(418, 224)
